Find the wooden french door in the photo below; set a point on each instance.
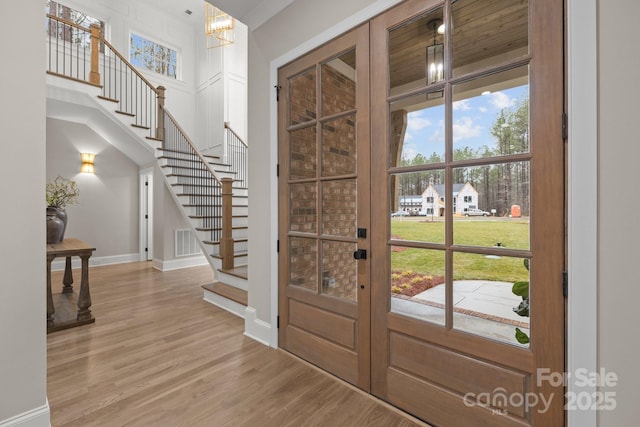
(324, 300)
(467, 116)
(455, 176)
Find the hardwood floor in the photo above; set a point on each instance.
(158, 355)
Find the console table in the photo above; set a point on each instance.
(65, 316)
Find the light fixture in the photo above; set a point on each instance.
(435, 55)
(87, 162)
(219, 27)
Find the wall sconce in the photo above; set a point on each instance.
(219, 27)
(87, 162)
(435, 54)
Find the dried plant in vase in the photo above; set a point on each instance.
(61, 192)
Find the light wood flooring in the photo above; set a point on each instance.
(158, 355)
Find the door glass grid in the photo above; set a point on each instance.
(484, 204)
(323, 203)
(302, 97)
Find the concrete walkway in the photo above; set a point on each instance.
(481, 307)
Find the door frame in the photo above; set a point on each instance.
(582, 98)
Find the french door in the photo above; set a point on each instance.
(324, 201)
(440, 168)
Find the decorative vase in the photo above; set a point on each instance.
(55, 228)
(62, 215)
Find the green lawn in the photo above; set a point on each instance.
(481, 232)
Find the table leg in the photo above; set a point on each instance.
(67, 281)
(50, 308)
(84, 299)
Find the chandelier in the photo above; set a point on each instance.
(219, 27)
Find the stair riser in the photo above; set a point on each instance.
(235, 211)
(238, 233)
(187, 164)
(237, 247)
(233, 280)
(185, 189)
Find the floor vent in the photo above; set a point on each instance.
(186, 243)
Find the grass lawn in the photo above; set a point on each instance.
(478, 232)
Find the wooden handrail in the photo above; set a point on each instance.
(128, 64)
(67, 22)
(193, 147)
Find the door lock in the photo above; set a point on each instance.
(360, 254)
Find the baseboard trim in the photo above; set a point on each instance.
(175, 264)
(255, 328)
(59, 263)
(37, 417)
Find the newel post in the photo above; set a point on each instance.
(226, 241)
(160, 129)
(94, 74)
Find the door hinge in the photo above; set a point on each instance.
(278, 170)
(278, 322)
(565, 284)
(278, 87)
(146, 183)
(278, 246)
(146, 217)
(565, 126)
(146, 249)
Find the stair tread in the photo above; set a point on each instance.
(140, 126)
(211, 242)
(241, 271)
(236, 254)
(125, 113)
(227, 291)
(171, 150)
(196, 161)
(106, 98)
(239, 196)
(200, 205)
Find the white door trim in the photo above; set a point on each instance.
(146, 205)
(582, 76)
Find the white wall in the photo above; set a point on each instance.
(124, 17)
(221, 91)
(22, 254)
(618, 230)
(107, 211)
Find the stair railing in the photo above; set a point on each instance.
(213, 198)
(237, 155)
(82, 54)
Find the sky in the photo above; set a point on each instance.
(472, 122)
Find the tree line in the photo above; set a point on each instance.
(499, 185)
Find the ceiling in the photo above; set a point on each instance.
(253, 13)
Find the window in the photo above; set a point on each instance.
(468, 199)
(67, 33)
(152, 56)
(429, 199)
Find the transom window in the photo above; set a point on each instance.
(67, 33)
(153, 56)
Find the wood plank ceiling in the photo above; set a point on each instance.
(482, 29)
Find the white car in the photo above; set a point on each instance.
(476, 212)
(399, 213)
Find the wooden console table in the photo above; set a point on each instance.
(66, 316)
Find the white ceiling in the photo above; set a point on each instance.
(253, 13)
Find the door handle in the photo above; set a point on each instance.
(360, 254)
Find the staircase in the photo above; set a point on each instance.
(210, 191)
